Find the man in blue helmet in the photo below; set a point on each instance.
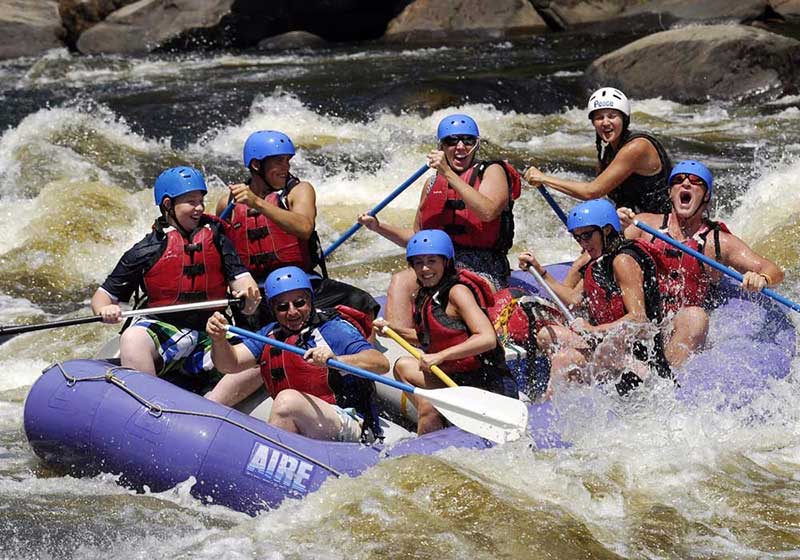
(620, 292)
(685, 283)
(310, 398)
(185, 258)
(471, 200)
(272, 225)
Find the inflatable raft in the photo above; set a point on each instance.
(90, 416)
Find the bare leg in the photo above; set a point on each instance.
(398, 299)
(305, 414)
(406, 369)
(138, 351)
(235, 387)
(689, 332)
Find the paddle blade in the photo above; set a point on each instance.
(495, 417)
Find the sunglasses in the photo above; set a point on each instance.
(693, 179)
(585, 236)
(298, 303)
(465, 139)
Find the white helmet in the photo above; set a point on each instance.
(609, 98)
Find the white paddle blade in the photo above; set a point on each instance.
(495, 417)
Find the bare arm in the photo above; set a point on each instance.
(570, 295)
(396, 234)
(758, 271)
(298, 220)
(102, 304)
(226, 357)
(634, 157)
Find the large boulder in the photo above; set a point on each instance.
(562, 14)
(29, 27)
(79, 15)
(424, 20)
(694, 63)
(787, 7)
(148, 24)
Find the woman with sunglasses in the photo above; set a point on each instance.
(685, 283)
(451, 324)
(620, 293)
(310, 399)
(632, 167)
(471, 200)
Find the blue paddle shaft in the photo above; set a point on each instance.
(553, 204)
(227, 211)
(385, 202)
(712, 263)
(331, 362)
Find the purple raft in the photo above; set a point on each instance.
(89, 416)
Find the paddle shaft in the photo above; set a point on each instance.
(228, 209)
(416, 353)
(19, 329)
(385, 202)
(567, 313)
(553, 204)
(331, 362)
(712, 263)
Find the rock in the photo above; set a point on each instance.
(147, 24)
(29, 27)
(787, 7)
(570, 13)
(694, 63)
(463, 19)
(79, 15)
(292, 40)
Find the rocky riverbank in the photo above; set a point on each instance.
(691, 50)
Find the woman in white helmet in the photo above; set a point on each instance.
(632, 167)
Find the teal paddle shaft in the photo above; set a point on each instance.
(712, 263)
(385, 202)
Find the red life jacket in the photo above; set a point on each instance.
(262, 245)
(602, 292)
(436, 330)
(286, 370)
(683, 279)
(187, 270)
(442, 208)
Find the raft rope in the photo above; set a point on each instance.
(157, 410)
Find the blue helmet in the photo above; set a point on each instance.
(286, 279)
(599, 212)
(267, 143)
(695, 168)
(430, 242)
(177, 181)
(457, 124)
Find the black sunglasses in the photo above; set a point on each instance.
(466, 139)
(585, 236)
(298, 303)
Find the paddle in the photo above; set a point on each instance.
(19, 329)
(416, 353)
(488, 415)
(570, 317)
(712, 263)
(394, 194)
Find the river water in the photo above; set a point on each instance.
(82, 141)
